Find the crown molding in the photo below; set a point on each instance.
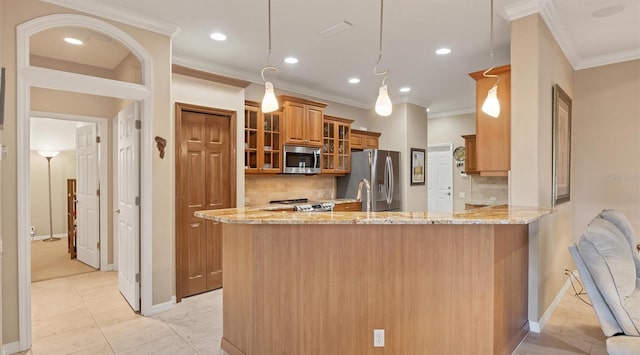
(116, 13)
(413, 100)
(452, 113)
(257, 79)
(547, 10)
(608, 59)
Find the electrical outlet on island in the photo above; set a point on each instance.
(378, 338)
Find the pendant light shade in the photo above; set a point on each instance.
(269, 101)
(491, 105)
(383, 103)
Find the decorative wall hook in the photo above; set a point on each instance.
(161, 143)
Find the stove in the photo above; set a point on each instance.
(315, 207)
(304, 205)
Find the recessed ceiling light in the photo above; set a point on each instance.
(354, 81)
(428, 109)
(443, 51)
(218, 36)
(405, 89)
(72, 40)
(291, 60)
(608, 11)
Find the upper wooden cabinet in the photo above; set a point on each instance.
(302, 121)
(364, 139)
(470, 166)
(336, 148)
(493, 135)
(262, 140)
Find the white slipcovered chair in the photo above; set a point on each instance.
(609, 266)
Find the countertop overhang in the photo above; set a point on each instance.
(501, 214)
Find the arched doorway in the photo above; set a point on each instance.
(30, 76)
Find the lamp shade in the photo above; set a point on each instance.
(269, 101)
(48, 153)
(383, 103)
(491, 106)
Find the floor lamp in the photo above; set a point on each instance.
(49, 155)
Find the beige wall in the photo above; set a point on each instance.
(537, 63)
(416, 195)
(57, 101)
(162, 210)
(71, 67)
(260, 189)
(63, 167)
(450, 130)
(606, 111)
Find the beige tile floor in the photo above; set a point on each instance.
(572, 329)
(85, 314)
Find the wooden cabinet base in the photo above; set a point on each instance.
(322, 289)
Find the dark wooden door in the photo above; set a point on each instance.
(205, 175)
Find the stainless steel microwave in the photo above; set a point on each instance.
(301, 160)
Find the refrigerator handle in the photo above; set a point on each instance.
(388, 179)
(392, 182)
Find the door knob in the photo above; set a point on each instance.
(117, 210)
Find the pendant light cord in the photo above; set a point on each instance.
(493, 61)
(375, 68)
(268, 67)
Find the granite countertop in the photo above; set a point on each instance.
(503, 214)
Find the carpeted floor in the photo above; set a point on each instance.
(50, 260)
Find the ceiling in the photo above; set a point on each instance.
(97, 50)
(413, 30)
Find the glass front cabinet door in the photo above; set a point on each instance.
(336, 149)
(262, 140)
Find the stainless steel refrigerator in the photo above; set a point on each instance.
(382, 169)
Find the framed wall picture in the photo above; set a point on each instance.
(417, 166)
(561, 146)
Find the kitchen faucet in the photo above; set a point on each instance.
(359, 195)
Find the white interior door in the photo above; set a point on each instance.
(128, 210)
(88, 200)
(440, 179)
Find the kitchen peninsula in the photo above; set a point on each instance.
(320, 283)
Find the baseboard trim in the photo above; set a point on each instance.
(537, 327)
(11, 348)
(109, 267)
(41, 237)
(163, 307)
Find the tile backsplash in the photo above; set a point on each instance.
(488, 190)
(260, 189)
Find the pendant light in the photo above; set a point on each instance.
(383, 103)
(491, 105)
(269, 101)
